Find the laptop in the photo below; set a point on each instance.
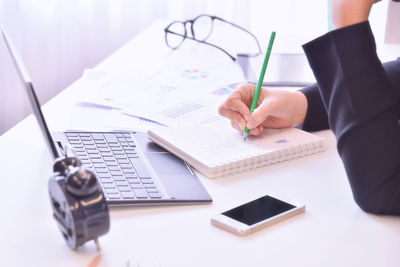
(129, 167)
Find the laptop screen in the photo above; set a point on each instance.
(26, 80)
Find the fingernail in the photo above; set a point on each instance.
(240, 125)
(250, 124)
(247, 117)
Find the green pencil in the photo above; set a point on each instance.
(260, 81)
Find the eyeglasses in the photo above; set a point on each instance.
(201, 28)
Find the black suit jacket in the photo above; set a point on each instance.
(359, 99)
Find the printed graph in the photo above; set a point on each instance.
(180, 109)
(225, 90)
(194, 74)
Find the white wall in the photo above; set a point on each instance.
(59, 38)
(392, 35)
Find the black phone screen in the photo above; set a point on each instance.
(258, 210)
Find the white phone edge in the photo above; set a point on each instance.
(239, 228)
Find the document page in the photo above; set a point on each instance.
(177, 86)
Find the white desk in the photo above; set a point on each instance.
(332, 232)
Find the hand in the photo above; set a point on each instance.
(275, 109)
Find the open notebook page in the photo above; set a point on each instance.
(208, 138)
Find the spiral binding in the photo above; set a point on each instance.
(267, 159)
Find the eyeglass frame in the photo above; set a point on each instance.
(191, 21)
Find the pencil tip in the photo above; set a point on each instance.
(96, 242)
(245, 137)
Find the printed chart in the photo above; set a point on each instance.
(225, 90)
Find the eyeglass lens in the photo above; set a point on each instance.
(202, 27)
(176, 34)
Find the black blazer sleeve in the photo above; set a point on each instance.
(361, 98)
(316, 117)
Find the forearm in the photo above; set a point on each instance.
(350, 12)
(361, 105)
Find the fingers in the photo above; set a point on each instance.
(237, 127)
(257, 131)
(260, 114)
(236, 107)
(240, 100)
(236, 118)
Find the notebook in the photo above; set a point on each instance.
(215, 149)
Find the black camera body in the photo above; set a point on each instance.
(78, 203)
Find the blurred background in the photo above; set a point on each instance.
(58, 39)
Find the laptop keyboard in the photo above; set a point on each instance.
(115, 161)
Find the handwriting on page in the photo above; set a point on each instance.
(215, 142)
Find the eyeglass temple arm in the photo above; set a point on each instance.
(203, 42)
(241, 28)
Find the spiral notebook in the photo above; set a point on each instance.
(215, 149)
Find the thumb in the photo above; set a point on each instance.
(259, 115)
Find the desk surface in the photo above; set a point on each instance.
(332, 232)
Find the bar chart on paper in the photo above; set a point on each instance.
(180, 109)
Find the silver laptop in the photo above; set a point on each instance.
(131, 169)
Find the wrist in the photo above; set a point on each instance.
(350, 12)
(301, 108)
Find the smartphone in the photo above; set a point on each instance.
(256, 214)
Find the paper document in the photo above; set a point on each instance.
(183, 83)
